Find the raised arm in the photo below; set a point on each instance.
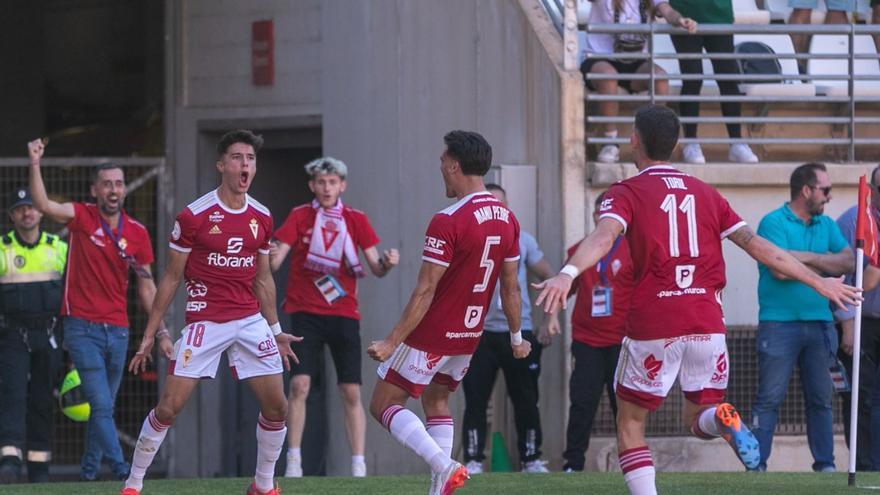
(781, 261)
(59, 212)
(380, 266)
(162, 298)
(419, 302)
(554, 291)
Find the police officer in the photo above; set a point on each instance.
(31, 271)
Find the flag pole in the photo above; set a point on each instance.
(856, 354)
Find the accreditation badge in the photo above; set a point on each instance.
(601, 302)
(330, 288)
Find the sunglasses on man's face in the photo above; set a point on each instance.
(825, 190)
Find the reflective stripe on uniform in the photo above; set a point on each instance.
(10, 451)
(39, 456)
(18, 278)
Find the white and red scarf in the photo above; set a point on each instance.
(330, 242)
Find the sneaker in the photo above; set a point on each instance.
(358, 469)
(536, 466)
(130, 491)
(10, 470)
(610, 153)
(474, 467)
(435, 486)
(294, 468)
(692, 153)
(741, 153)
(452, 478)
(252, 490)
(738, 436)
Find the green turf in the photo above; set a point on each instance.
(507, 484)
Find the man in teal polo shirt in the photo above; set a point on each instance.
(795, 322)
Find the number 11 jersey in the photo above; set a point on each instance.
(674, 224)
(472, 238)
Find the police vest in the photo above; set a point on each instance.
(31, 276)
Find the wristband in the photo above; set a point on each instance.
(570, 270)
(276, 328)
(163, 333)
(516, 338)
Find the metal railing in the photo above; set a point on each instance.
(843, 115)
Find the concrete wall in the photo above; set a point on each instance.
(385, 80)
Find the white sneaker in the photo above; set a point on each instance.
(359, 469)
(452, 478)
(294, 468)
(536, 466)
(741, 153)
(692, 153)
(609, 153)
(474, 467)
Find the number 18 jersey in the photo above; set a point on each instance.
(473, 238)
(674, 225)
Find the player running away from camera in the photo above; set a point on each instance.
(467, 247)
(220, 245)
(674, 224)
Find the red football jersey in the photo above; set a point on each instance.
(302, 294)
(96, 283)
(473, 238)
(674, 224)
(603, 331)
(223, 246)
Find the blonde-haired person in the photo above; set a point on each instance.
(624, 12)
(321, 297)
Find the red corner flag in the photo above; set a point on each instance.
(866, 228)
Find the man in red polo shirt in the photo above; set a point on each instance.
(598, 324)
(321, 296)
(106, 245)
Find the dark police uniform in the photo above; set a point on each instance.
(30, 297)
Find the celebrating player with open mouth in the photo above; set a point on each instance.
(428, 351)
(220, 244)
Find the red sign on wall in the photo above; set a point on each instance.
(263, 53)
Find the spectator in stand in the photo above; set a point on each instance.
(598, 324)
(624, 12)
(321, 296)
(520, 375)
(709, 12)
(875, 19)
(802, 10)
(106, 245)
(795, 322)
(870, 340)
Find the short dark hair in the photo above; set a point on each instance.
(471, 151)
(102, 167)
(495, 187)
(804, 175)
(239, 136)
(873, 175)
(658, 128)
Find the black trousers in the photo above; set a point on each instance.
(870, 358)
(593, 371)
(521, 377)
(28, 368)
(694, 43)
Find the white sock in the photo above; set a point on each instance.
(708, 424)
(442, 430)
(638, 471)
(294, 453)
(152, 434)
(357, 459)
(270, 438)
(408, 429)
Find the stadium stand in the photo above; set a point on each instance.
(838, 44)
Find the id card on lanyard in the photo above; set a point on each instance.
(118, 243)
(602, 293)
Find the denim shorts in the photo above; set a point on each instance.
(844, 5)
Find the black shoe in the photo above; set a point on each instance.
(10, 470)
(38, 472)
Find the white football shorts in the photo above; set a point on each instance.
(412, 369)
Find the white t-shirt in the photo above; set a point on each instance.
(603, 13)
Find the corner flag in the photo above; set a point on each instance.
(866, 227)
